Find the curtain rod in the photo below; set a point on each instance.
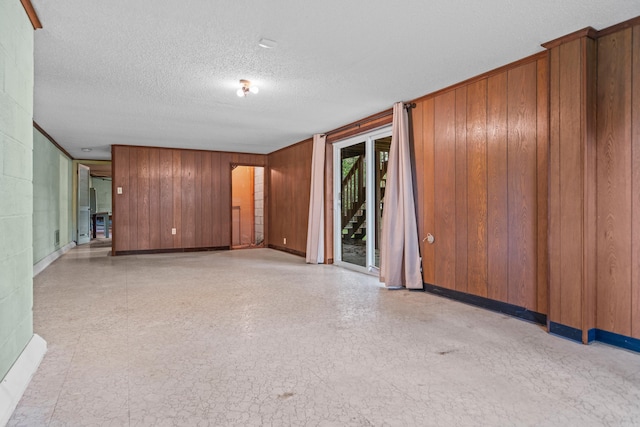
(407, 105)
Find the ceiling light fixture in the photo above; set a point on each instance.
(267, 44)
(86, 150)
(245, 87)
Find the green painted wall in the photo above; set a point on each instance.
(51, 197)
(16, 187)
(103, 193)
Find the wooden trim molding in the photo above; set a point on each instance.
(619, 27)
(585, 32)
(31, 13)
(53, 141)
(499, 70)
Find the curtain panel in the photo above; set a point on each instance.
(315, 230)
(399, 249)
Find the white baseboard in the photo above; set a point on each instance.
(46, 261)
(17, 379)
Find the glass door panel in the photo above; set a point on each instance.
(381, 152)
(360, 176)
(353, 212)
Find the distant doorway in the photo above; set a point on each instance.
(247, 206)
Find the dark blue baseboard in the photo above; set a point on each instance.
(618, 340)
(489, 304)
(564, 331)
(606, 337)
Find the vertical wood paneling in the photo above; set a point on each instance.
(428, 250)
(133, 199)
(121, 217)
(477, 187)
(635, 184)
(206, 216)
(614, 183)
(290, 173)
(144, 205)
(166, 198)
(216, 200)
(461, 190)
(445, 189)
(542, 133)
(197, 204)
(188, 190)
(522, 158)
(588, 111)
(154, 222)
(555, 223)
(177, 198)
(497, 178)
(224, 210)
(571, 181)
(188, 184)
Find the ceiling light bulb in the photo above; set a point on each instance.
(254, 89)
(240, 93)
(86, 150)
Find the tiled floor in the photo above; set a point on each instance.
(256, 337)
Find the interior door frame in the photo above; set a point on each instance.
(369, 139)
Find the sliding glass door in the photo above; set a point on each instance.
(360, 167)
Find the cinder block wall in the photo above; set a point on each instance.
(16, 187)
(51, 197)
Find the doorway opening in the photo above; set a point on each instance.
(92, 204)
(360, 176)
(247, 206)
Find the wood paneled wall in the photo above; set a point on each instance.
(162, 189)
(572, 183)
(481, 159)
(618, 182)
(289, 184)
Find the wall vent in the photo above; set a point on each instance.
(56, 238)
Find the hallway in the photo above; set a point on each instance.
(257, 337)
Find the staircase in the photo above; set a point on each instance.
(354, 212)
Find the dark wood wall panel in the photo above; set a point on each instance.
(445, 191)
(154, 199)
(635, 184)
(522, 185)
(206, 207)
(188, 198)
(177, 198)
(567, 136)
(216, 200)
(163, 189)
(477, 188)
(132, 193)
(497, 185)
(461, 190)
(417, 121)
(120, 165)
(543, 184)
(166, 198)
(572, 184)
(481, 147)
(288, 196)
(614, 182)
(143, 239)
(555, 224)
(428, 220)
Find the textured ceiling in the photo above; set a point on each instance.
(165, 72)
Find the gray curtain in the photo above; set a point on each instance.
(315, 230)
(399, 248)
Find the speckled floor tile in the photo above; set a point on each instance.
(259, 338)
